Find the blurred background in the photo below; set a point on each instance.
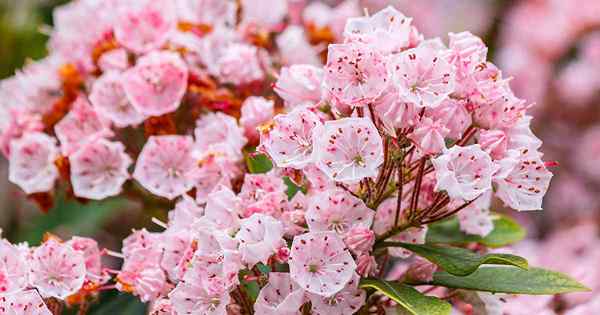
(551, 48)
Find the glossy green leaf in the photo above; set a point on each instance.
(263, 268)
(413, 301)
(536, 281)
(460, 261)
(506, 231)
(258, 163)
(292, 188)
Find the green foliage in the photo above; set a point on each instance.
(413, 301)
(460, 261)
(258, 163)
(535, 281)
(73, 217)
(292, 188)
(506, 231)
(120, 303)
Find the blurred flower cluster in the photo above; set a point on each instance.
(306, 150)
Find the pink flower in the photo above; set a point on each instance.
(348, 149)
(494, 142)
(394, 113)
(178, 252)
(223, 209)
(157, 83)
(422, 76)
(414, 235)
(421, 270)
(142, 278)
(464, 172)
(320, 264)
(109, 99)
(355, 73)
(502, 109)
(429, 136)
(281, 296)
(289, 142)
(388, 30)
(190, 297)
(527, 183)
(384, 221)
(92, 256)
(295, 49)
(267, 13)
(32, 162)
(145, 25)
(360, 239)
(184, 214)
(99, 169)
(13, 268)
(208, 12)
(56, 270)
(256, 111)
(142, 243)
(221, 130)
(80, 126)
(467, 52)
(347, 301)
(239, 64)
(16, 123)
(165, 166)
(475, 218)
(453, 115)
(217, 169)
(114, 60)
(337, 210)
(258, 186)
(260, 237)
(319, 181)
(27, 302)
(162, 306)
(298, 84)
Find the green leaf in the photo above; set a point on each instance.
(73, 217)
(250, 288)
(258, 163)
(506, 231)
(292, 188)
(263, 268)
(535, 281)
(120, 303)
(410, 299)
(460, 261)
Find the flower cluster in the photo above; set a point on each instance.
(167, 99)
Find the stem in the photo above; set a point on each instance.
(400, 185)
(381, 239)
(448, 214)
(416, 190)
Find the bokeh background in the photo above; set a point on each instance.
(551, 48)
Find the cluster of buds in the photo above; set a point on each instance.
(394, 132)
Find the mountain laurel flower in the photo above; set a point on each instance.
(454, 115)
(157, 83)
(166, 167)
(464, 172)
(289, 142)
(338, 211)
(109, 100)
(260, 237)
(145, 25)
(281, 296)
(27, 302)
(360, 240)
(348, 149)
(346, 301)
(13, 268)
(31, 164)
(388, 30)
(366, 265)
(240, 65)
(525, 186)
(80, 126)
(355, 73)
(476, 218)
(299, 84)
(422, 76)
(222, 131)
(256, 111)
(99, 169)
(320, 263)
(56, 269)
(429, 136)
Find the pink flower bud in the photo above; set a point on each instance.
(366, 265)
(282, 255)
(360, 240)
(421, 270)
